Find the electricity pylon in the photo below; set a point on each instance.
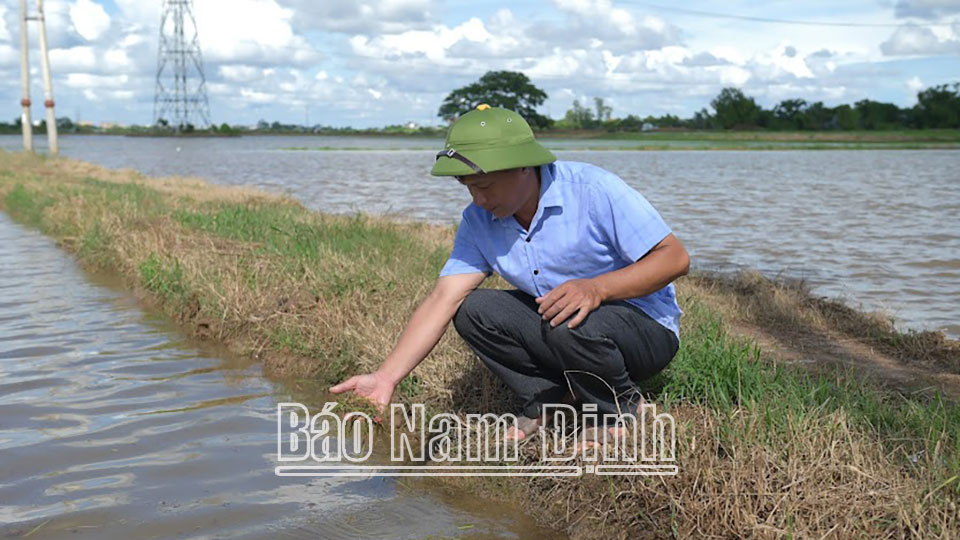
(181, 92)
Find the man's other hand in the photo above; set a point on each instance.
(580, 296)
(375, 387)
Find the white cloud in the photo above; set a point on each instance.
(783, 60)
(73, 59)
(914, 86)
(240, 73)
(619, 29)
(250, 31)
(139, 15)
(926, 9)
(132, 40)
(4, 33)
(919, 40)
(432, 43)
(364, 16)
(257, 97)
(89, 19)
(117, 60)
(90, 81)
(8, 56)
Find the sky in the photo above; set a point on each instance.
(369, 63)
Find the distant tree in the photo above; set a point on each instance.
(667, 120)
(507, 89)
(878, 115)
(938, 107)
(630, 123)
(579, 117)
(603, 111)
(819, 116)
(733, 109)
(64, 123)
(846, 117)
(791, 113)
(702, 119)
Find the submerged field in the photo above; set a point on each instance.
(769, 445)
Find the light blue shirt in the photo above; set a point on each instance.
(589, 222)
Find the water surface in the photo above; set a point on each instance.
(879, 229)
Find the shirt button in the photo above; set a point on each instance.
(535, 272)
(528, 239)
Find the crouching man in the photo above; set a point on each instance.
(594, 309)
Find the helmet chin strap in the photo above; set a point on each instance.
(453, 154)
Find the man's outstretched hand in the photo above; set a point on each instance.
(375, 386)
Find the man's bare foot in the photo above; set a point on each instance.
(593, 436)
(523, 428)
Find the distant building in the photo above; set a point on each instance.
(411, 125)
(647, 126)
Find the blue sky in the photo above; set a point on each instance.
(377, 62)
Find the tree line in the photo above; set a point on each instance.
(938, 107)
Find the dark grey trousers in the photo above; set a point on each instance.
(617, 345)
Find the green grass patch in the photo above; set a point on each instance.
(164, 278)
(724, 373)
(27, 205)
(96, 246)
(147, 201)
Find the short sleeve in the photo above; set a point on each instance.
(466, 257)
(626, 218)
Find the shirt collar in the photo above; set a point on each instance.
(549, 194)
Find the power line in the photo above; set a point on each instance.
(715, 15)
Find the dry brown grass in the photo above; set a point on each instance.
(785, 315)
(752, 465)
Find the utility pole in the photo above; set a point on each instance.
(47, 84)
(25, 121)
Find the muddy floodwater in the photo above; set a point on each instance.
(879, 229)
(112, 426)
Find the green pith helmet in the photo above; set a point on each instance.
(489, 139)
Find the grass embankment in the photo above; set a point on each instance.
(765, 450)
